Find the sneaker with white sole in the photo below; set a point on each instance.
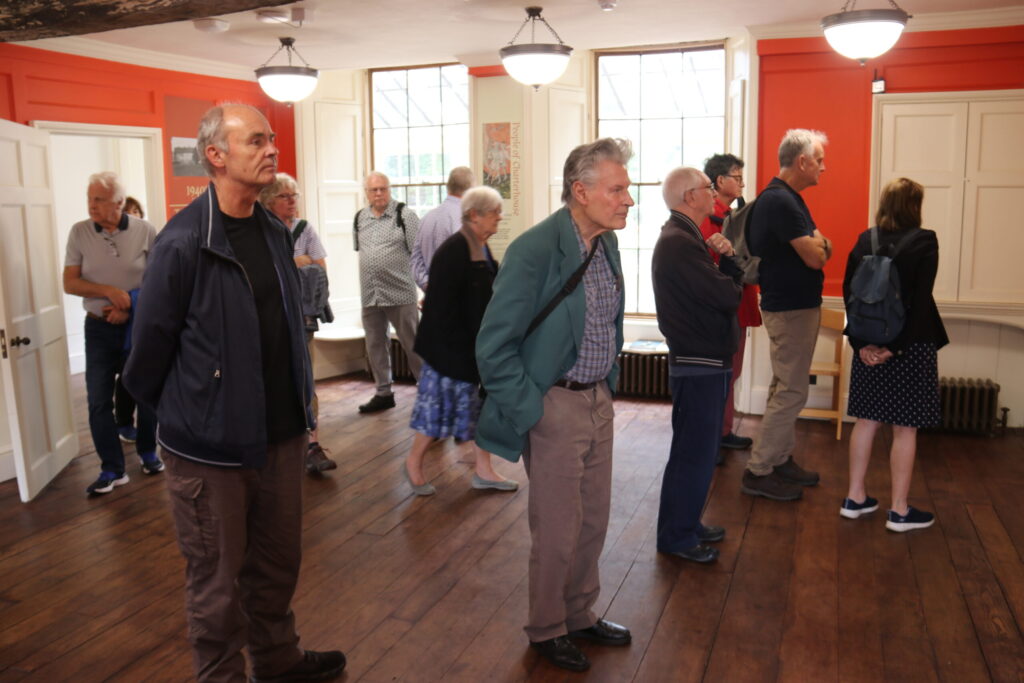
(127, 433)
(151, 463)
(914, 519)
(851, 509)
(106, 483)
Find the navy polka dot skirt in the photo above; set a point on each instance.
(902, 391)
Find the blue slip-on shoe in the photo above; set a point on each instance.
(851, 509)
(914, 519)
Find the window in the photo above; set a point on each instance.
(671, 105)
(420, 130)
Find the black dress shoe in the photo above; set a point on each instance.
(378, 402)
(708, 533)
(314, 666)
(703, 554)
(605, 633)
(736, 442)
(563, 653)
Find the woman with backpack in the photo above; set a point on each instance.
(895, 379)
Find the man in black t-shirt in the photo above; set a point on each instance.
(219, 351)
(793, 252)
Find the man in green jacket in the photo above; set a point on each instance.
(549, 392)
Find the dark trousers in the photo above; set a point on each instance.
(104, 359)
(124, 405)
(240, 533)
(697, 403)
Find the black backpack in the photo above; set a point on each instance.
(736, 229)
(874, 310)
(398, 219)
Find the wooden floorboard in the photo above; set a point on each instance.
(435, 589)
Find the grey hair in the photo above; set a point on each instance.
(282, 181)
(581, 165)
(480, 199)
(460, 179)
(678, 182)
(110, 181)
(371, 174)
(211, 131)
(799, 141)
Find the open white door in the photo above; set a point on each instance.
(33, 345)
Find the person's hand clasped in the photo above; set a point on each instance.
(720, 244)
(874, 355)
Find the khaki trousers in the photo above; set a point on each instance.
(793, 335)
(568, 459)
(405, 320)
(239, 531)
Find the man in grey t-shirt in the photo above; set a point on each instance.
(106, 256)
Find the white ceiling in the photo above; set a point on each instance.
(344, 34)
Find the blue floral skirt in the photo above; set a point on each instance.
(445, 406)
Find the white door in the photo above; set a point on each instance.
(33, 345)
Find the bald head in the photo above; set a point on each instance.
(688, 191)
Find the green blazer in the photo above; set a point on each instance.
(517, 373)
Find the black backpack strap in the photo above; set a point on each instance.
(299, 228)
(398, 217)
(903, 241)
(355, 228)
(568, 288)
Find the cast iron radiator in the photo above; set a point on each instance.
(969, 405)
(400, 371)
(643, 375)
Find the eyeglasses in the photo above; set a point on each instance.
(737, 177)
(287, 196)
(709, 186)
(371, 190)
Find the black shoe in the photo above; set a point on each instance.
(703, 554)
(770, 486)
(378, 402)
(563, 653)
(735, 442)
(605, 633)
(314, 666)
(317, 460)
(795, 474)
(710, 533)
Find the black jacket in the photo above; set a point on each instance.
(458, 291)
(193, 359)
(917, 262)
(696, 299)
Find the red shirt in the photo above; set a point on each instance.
(749, 314)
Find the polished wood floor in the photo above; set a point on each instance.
(430, 589)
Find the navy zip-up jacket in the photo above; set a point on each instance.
(195, 343)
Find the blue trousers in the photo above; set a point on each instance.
(104, 358)
(697, 404)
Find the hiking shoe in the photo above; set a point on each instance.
(914, 519)
(770, 486)
(317, 460)
(851, 509)
(377, 403)
(151, 463)
(106, 483)
(735, 442)
(128, 433)
(794, 474)
(314, 666)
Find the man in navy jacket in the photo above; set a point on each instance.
(219, 352)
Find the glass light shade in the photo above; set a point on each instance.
(535, 63)
(864, 34)
(287, 83)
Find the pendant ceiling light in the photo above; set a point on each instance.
(287, 83)
(535, 63)
(864, 33)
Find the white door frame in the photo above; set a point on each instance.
(153, 150)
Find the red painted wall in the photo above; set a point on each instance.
(805, 84)
(39, 85)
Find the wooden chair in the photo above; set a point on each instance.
(838, 368)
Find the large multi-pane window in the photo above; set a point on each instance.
(671, 105)
(420, 130)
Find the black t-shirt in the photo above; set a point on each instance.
(787, 284)
(285, 418)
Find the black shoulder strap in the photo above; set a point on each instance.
(568, 288)
(299, 227)
(398, 217)
(355, 228)
(906, 239)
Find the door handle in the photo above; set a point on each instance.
(20, 341)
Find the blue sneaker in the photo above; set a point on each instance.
(851, 509)
(106, 483)
(128, 433)
(151, 463)
(914, 519)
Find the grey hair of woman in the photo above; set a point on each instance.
(582, 162)
(798, 141)
(110, 181)
(282, 182)
(480, 199)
